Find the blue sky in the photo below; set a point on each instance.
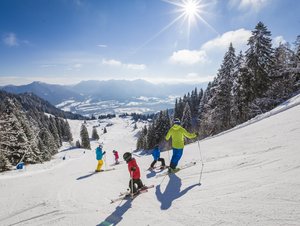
(67, 41)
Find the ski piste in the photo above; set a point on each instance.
(187, 165)
(127, 194)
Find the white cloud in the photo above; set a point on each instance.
(116, 63)
(278, 40)
(112, 62)
(188, 57)
(213, 49)
(238, 38)
(254, 5)
(136, 66)
(102, 45)
(10, 39)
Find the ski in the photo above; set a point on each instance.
(143, 188)
(127, 194)
(156, 168)
(187, 165)
(101, 171)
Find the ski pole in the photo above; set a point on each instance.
(131, 180)
(201, 161)
(105, 160)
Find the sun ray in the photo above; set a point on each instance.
(189, 11)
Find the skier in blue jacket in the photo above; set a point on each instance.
(156, 157)
(99, 156)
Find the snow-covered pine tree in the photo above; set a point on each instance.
(14, 139)
(187, 117)
(282, 83)
(259, 59)
(85, 141)
(95, 135)
(296, 64)
(151, 136)
(237, 103)
(218, 115)
(4, 163)
(54, 131)
(176, 109)
(67, 135)
(48, 143)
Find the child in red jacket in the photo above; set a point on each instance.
(116, 154)
(135, 183)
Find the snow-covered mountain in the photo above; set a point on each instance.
(112, 96)
(251, 176)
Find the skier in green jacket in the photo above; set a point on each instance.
(178, 133)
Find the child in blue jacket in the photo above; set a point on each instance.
(99, 156)
(156, 157)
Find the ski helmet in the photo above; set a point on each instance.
(100, 146)
(127, 156)
(177, 121)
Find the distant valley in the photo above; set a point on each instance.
(112, 96)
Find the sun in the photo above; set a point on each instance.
(191, 9)
(192, 12)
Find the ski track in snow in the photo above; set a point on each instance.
(251, 176)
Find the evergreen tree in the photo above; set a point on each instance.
(151, 137)
(187, 117)
(4, 163)
(14, 139)
(48, 143)
(104, 130)
(95, 135)
(78, 144)
(85, 141)
(259, 59)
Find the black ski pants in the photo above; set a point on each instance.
(155, 161)
(135, 184)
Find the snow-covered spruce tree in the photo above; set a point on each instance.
(14, 139)
(48, 143)
(259, 61)
(95, 135)
(296, 65)
(151, 137)
(67, 135)
(204, 109)
(238, 104)
(223, 95)
(142, 139)
(282, 83)
(176, 109)
(187, 117)
(161, 125)
(194, 103)
(4, 163)
(85, 140)
(54, 131)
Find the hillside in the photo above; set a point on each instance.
(251, 177)
(30, 101)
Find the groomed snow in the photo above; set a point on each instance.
(251, 176)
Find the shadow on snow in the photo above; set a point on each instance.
(86, 176)
(171, 192)
(115, 217)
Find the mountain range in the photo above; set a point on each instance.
(111, 96)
